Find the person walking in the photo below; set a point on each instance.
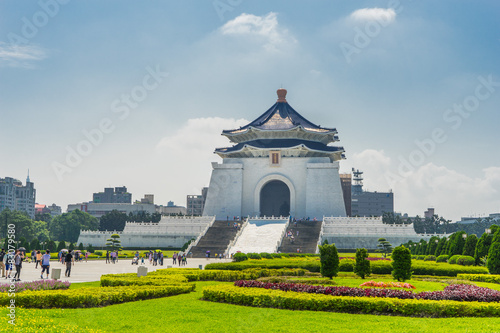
(38, 259)
(9, 262)
(18, 261)
(45, 263)
(69, 262)
(2, 264)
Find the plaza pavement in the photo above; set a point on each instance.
(93, 269)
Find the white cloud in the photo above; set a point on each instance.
(263, 28)
(374, 14)
(13, 55)
(187, 153)
(452, 193)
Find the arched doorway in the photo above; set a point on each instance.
(275, 199)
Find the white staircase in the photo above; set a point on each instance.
(260, 234)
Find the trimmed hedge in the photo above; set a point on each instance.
(442, 258)
(131, 279)
(223, 275)
(453, 259)
(443, 269)
(480, 277)
(92, 297)
(466, 261)
(317, 302)
(430, 258)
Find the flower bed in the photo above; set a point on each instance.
(314, 302)
(34, 285)
(387, 285)
(457, 292)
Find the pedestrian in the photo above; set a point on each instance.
(174, 258)
(38, 259)
(18, 261)
(2, 264)
(297, 233)
(63, 258)
(69, 262)
(107, 257)
(9, 262)
(33, 256)
(45, 263)
(179, 259)
(86, 256)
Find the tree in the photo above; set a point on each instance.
(90, 248)
(384, 246)
(432, 245)
(457, 243)
(51, 245)
(156, 217)
(391, 218)
(329, 260)
(482, 247)
(35, 244)
(470, 245)
(61, 245)
(493, 262)
(80, 247)
(114, 242)
(22, 222)
(41, 230)
(362, 267)
(45, 217)
(401, 263)
(440, 248)
(113, 221)
(71, 246)
(68, 225)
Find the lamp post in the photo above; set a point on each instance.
(488, 231)
(464, 236)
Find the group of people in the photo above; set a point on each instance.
(290, 236)
(111, 257)
(9, 260)
(180, 258)
(155, 258)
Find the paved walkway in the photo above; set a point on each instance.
(93, 269)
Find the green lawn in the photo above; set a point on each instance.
(187, 313)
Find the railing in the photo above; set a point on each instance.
(231, 243)
(278, 243)
(197, 240)
(320, 237)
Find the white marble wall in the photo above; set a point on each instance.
(313, 182)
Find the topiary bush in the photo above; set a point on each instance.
(442, 258)
(401, 264)
(466, 261)
(329, 260)
(362, 267)
(240, 257)
(420, 257)
(430, 258)
(254, 256)
(453, 259)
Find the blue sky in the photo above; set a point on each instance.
(386, 74)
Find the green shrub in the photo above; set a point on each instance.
(240, 257)
(98, 253)
(329, 259)
(362, 267)
(266, 255)
(442, 258)
(276, 255)
(346, 265)
(254, 256)
(375, 305)
(401, 264)
(414, 257)
(420, 257)
(491, 278)
(493, 262)
(310, 264)
(453, 259)
(444, 269)
(92, 297)
(466, 261)
(430, 258)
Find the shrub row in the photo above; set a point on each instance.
(224, 275)
(480, 277)
(131, 279)
(92, 297)
(456, 292)
(347, 265)
(302, 301)
(34, 285)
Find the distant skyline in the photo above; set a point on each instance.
(121, 93)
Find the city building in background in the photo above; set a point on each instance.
(346, 182)
(99, 209)
(16, 196)
(53, 210)
(364, 203)
(113, 195)
(171, 209)
(196, 203)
